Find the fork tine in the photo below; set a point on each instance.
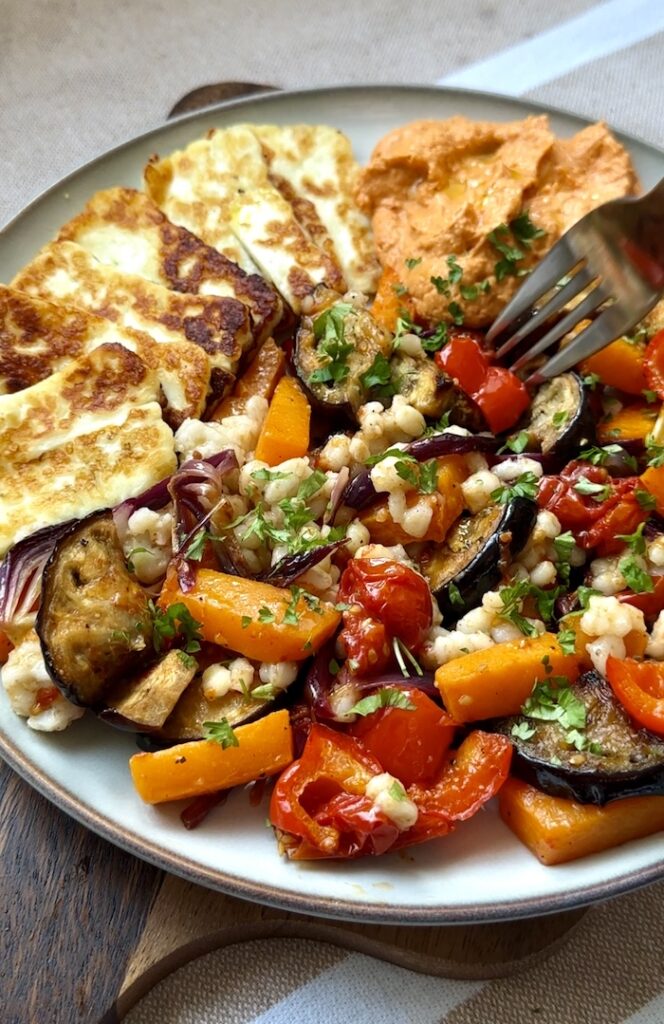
(596, 297)
(609, 325)
(579, 281)
(555, 265)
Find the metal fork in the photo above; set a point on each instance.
(615, 251)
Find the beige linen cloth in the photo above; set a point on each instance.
(79, 76)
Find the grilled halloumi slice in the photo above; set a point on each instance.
(87, 437)
(38, 338)
(65, 272)
(125, 229)
(314, 168)
(220, 181)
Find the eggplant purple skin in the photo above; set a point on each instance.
(585, 785)
(485, 569)
(578, 428)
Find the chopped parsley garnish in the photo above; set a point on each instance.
(196, 548)
(584, 594)
(554, 700)
(520, 230)
(130, 557)
(455, 271)
(636, 542)
(456, 312)
(221, 732)
(650, 396)
(435, 341)
(411, 263)
(655, 453)
(268, 475)
(378, 378)
(334, 667)
(567, 641)
(645, 499)
(517, 444)
(399, 289)
(600, 456)
(265, 692)
(512, 598)
(563, 545)
(471, 291)
(523, 731)
(441, 284)
(591, 380)
(455, 596)
(598, 492)
(187, 660)
(266, 615)
(329, 331)
(636, 578)
(175, 623)
(396, 791)
(385, 698)
(246, 621)
(560, 418)
(524, 486)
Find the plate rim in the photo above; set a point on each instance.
(323, 906)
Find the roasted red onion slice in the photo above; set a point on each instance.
(290, 567)
(331, 695)
(21, 572)
(361, 492)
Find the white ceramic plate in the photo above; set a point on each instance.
(481, 872)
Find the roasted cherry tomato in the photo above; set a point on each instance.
(463, 359)
(653, 364)
(500, 394)
(319, 801)
(365, 642)
(410, 744)
(473, 774)
(594, 523)
(639, 686)
(392, 593)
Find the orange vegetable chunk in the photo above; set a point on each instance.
(653, 482)
(631, 423)
(227, 607)
(260, 378)
(204, 766)
(620, 365)
(496, 681)
(558, 830)
(285, 432)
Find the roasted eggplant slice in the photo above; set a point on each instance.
(561, 417)
(619, 760)
(94, 620)
(475, 553)
(434, 393)
(192, 710)
(145, 702)
(337, 353)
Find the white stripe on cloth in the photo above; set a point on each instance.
(598, 32)
(651, 1013)
(369, 991)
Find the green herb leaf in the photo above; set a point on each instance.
(524, 487)
(636, 542)
(396, 791)
(645, 499)
(636, 578)
(456, 312)
(385, 698)
(524, 230)
(598, 492)
(559, 418)
(567, 641)
(379, 377)
(399, 289)
(655, 453)
(456, 272)
(265, 615)
(441, 284)
(268, 475)
(187, 660)
(175, 623)
(512, 598)
(517, 444)
(523, 731)
(265, 692)
(412, 263)
(650, 396)
(246, 620)
(591, 380)
(436, 340)
(584, 594)
(455, 596)
(334, 666)
(221, 732)
(329, 331)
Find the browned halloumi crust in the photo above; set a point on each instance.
(65, 272)
(38, 338)
(84, 438)
(168, 254)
